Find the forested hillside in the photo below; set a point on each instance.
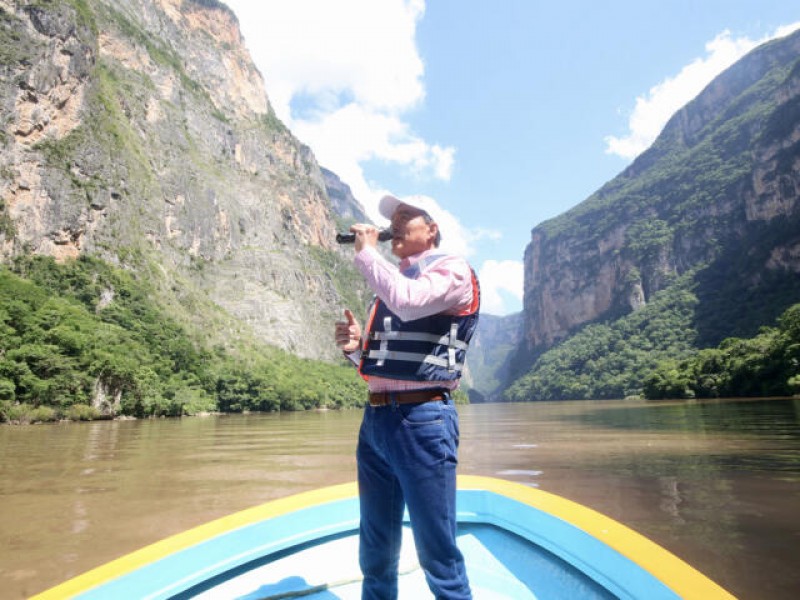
(610, 359)
(83, 340)
(765, 365)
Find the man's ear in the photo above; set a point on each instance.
(433, 229)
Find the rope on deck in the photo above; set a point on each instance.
(324, 587)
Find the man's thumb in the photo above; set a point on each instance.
(349, 316)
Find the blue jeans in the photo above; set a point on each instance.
(407, 455)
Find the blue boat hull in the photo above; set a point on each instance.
(518, 542)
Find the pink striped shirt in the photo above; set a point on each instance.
(445, 286)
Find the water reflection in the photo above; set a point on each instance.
(777, 418)
(772, 426)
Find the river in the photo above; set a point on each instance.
(717, 483)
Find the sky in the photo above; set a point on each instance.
(495, 115)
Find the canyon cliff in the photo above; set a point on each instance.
(716, 195)
(140, 132)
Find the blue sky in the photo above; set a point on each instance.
(495, 115)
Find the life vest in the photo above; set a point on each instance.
(432, 348)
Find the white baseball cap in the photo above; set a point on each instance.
(388, 204)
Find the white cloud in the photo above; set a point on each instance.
(653, 110)
(496, 276)
(315, 47)
(341, 75)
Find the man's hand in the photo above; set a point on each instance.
(366, 235)
(348, 333)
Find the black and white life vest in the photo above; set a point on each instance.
(432, 348)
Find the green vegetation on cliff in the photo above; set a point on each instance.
(652, 353)
(610, 360)
(765, 365)
(85, 340)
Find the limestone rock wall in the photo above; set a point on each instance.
(140, 131)
(724, 173)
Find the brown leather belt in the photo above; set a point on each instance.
(385, 398)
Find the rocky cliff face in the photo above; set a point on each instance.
(721, 181)
(490, 355)
(140, 131)
(344, 203)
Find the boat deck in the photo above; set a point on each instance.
(499, 566)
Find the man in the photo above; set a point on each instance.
(411, 354)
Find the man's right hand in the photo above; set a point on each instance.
(366, 235)
(348, 333)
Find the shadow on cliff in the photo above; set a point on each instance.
(738, 293)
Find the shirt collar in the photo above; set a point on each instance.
(410, 261)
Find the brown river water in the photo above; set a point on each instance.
(716, 483)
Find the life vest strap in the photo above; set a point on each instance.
(387, 325)
(451, 347)
(383, 355)
(413, 336)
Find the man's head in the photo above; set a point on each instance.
(413, 229)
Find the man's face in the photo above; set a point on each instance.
(411, 234)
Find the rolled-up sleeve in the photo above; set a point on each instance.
(445, 286)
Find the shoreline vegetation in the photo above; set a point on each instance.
(765, 365)
(22, 415)
(83, 340)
